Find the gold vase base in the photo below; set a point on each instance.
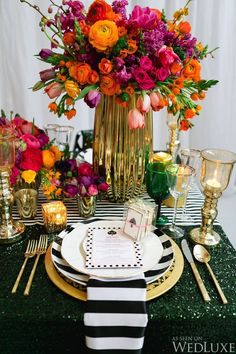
(207, 239)
(12, 232)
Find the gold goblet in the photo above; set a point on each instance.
(216, 169)
(10, 230)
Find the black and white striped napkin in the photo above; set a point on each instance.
(115, 318)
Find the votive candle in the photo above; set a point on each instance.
(54, 216)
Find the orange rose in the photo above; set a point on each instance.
(84, 27)
(108, 85)
(175, 68)
(80, 72)
(57, 153)
(93, 77)
(132, 46)
(48, 159)
(184, 27)
(100, 10)
(103, 35)
(69, 38)
(192, 70)
(122, 31)
(105, 66)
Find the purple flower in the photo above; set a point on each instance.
(86, 180)
(92, 98)
(119, 63)
(122, 76)
(143, 17)
(45, 53)
(47, 74)
(43, 139)
(76, 7)
(119, 7)
(73, 165)
(70, 190)
(4, 122)
(155, 39)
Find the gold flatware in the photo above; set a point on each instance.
(41, 249)
(30, 252)
(202, 255)
(188, 255)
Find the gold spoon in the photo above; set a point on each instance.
(202, 255)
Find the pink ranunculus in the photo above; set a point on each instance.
(155, 101)
(85, 169)
(167, 56)
(53, 90)
(47, 74)
(135, 119)
(162, 74)
(93, 189)
(143, 17)
(143, 103)
(145, 63)
(143, 79)
(31, 141)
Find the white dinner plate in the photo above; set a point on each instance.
(73, 253)
(150, 276)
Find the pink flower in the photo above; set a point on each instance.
(53, 90)
(85, 169)
(92, 190)
(142, 78)
(24, 127)
(92, 98)
(145, 63)
(162, 74)
(43, 139)
(143, 17)
(155, 101)
(167, 56)
(143, 103)
(135, 119)
(31, 141)
(47, 74)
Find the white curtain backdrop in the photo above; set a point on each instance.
(213, 22)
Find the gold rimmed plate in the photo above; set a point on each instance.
(154, 289)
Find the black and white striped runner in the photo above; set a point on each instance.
(114, 211)
(115, 317)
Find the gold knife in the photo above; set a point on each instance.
(189, 257)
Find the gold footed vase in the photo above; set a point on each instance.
(10, 230)
(119, 153)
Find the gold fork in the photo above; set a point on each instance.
(30, 252)
(41, 249)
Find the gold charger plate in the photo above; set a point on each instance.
(154, 289)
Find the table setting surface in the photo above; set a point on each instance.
(178, 311)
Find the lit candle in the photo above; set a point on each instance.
(54, 216)
(213, 185)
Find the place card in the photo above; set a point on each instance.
(109, 247)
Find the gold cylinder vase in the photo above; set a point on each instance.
(119, 153)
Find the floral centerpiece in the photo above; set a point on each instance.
(66, 180)
(104, 51)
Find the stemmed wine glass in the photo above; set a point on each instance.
(157, 188)
(190, 157)
(178, 179)
(63, 137)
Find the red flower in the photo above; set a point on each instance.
(100, 10)
(31, 160)
(185, 124)
(85, 169)
(25, 127)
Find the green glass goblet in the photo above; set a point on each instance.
(157, 188)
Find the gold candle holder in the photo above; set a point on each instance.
(54, 216)
(216, 169)
(10, 230)
(173, 144)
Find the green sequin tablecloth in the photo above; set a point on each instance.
(49, 321)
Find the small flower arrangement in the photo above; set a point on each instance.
(103, 50)
(65, 180)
